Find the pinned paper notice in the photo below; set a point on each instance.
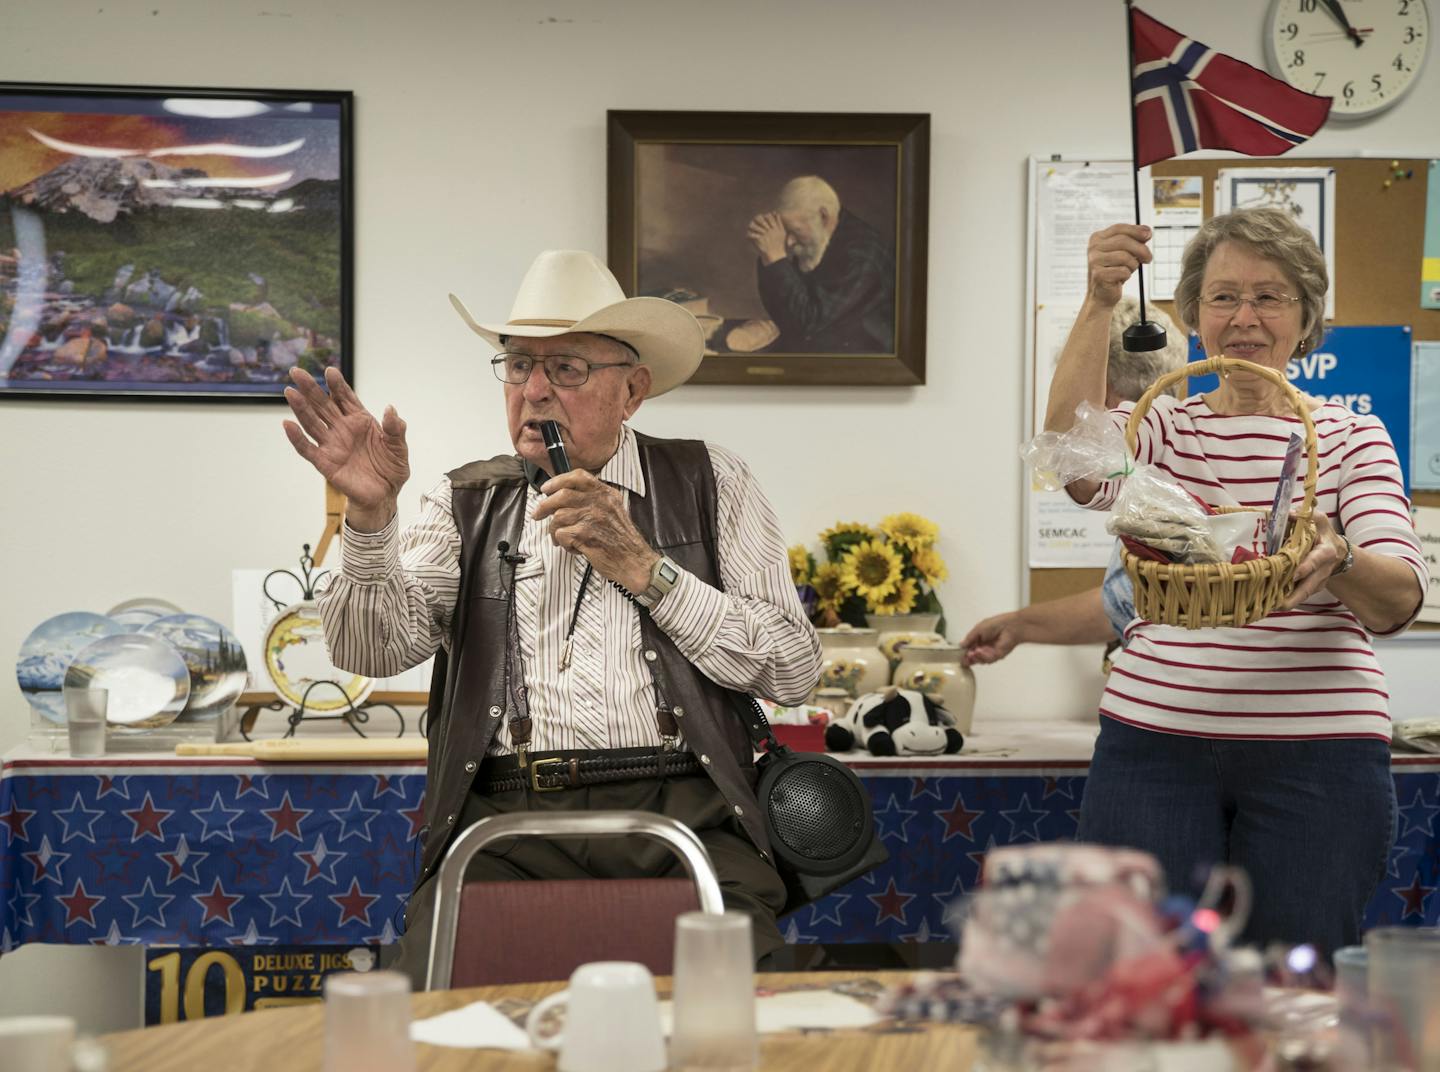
(1427, 527)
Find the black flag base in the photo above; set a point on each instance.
(1143, 337)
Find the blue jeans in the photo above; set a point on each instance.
(1311, 822)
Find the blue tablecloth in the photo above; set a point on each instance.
(195, 852)
(217, 852)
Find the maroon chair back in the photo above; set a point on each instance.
(537, 931)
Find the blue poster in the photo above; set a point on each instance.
(1365, 369)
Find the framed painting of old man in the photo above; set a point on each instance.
(172, 243)
(798, 240)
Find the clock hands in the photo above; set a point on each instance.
(1333, 6)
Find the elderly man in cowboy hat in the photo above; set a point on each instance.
(616, 615)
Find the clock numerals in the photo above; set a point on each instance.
(1365, 54)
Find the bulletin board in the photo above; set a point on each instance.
(1379, 239)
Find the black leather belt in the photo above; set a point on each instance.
(548, 773)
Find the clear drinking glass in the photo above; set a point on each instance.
(714, 993)
(367, 1023)
(85, 711)
(1404, 985)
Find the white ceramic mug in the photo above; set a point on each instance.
(612, 1020)
(37, 1043)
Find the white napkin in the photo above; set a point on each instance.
(477, 1026)
(797, 1010)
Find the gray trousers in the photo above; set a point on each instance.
(747, 883)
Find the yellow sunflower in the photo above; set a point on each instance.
(931, 566)
(910, 530)
(871, 569)
(900, 601)
(829, 587)
(801, 564)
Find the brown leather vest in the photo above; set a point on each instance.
(468, 694)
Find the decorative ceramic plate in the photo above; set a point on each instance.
(146, 678)
(296, 658)
(47, 654)
(213, 656)
(134, 614)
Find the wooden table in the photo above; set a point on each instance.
(291, 1040)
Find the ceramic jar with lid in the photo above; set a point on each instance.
(897, 630)
(851, 662)
(936, 669)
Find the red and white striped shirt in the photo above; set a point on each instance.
(1303, 673)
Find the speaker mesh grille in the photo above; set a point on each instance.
(816, 811)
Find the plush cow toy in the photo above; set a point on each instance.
(895, 722)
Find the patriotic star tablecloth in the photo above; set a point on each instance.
(205, 852)
(220, 852)
(940, 818)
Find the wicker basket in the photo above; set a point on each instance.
(1208, 595)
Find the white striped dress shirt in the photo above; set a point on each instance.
(391, 606)
(1304, 673)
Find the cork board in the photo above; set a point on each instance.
(1379, 240)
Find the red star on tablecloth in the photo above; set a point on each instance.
(387, 783)
(218, 904)
(416, 817)
(14, 821)
(959, 820)
(79, 905)
(148, 819)
(286, 819)
(1053, 786)
(354, 903)
(1414, 896)
(924, 787)
(110, 783)
(890, 904)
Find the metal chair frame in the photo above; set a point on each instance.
(675, 835)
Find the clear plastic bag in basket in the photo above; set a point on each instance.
(1153, 508)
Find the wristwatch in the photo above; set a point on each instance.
(663, 576)
(1348, 561)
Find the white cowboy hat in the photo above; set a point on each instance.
(569, 290)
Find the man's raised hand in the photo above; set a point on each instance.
(365, 459)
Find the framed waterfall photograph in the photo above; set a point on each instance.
(798, 240)
(161, 243)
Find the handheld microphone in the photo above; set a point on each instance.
(555, 447)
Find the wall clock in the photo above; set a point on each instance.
(1366, 54)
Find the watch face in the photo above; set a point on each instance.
(1364, 54)
(667, 571)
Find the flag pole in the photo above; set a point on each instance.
(1145, 335)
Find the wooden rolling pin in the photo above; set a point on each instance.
(291, 749)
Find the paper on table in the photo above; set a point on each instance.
(798, 1010)
(480, 1025)
(477, 1026)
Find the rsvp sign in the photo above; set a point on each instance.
(1365, 369)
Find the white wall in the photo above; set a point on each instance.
(480, 140)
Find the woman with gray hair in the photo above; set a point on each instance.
(1263, 747)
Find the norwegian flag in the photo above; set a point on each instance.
(1188, 97)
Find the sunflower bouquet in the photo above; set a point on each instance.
(890, 568)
